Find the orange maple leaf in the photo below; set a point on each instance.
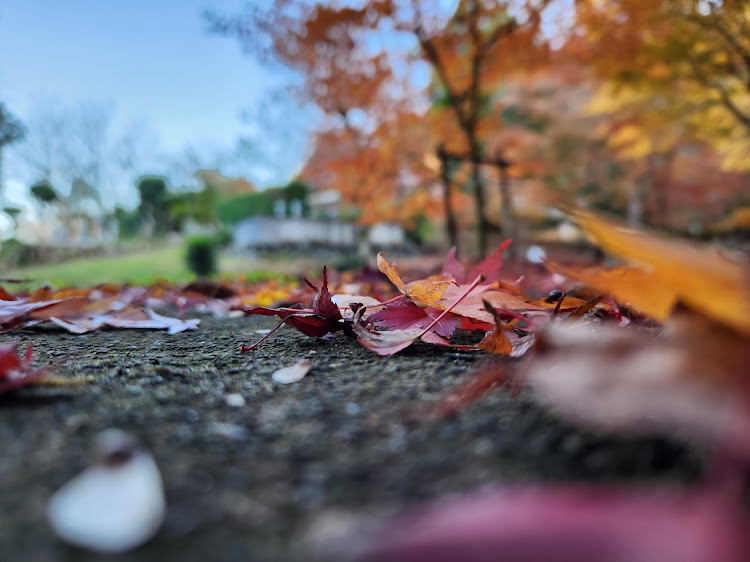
(666, 271)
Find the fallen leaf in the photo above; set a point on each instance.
(323, 305)
(673, 270)
(15, 371)
(404, 315)
(564, 524)
(688, 382)
(496, 341)
(427, 291)
(322, 319)
(472, 306)
(391, 272)
(14, 313)
(293, 373)
(489, 268)
(384, 342)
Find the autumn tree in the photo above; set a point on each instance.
(672, 72)
(359, 64)
(481, 44)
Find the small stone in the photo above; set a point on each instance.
(230, 431)
(235, 400)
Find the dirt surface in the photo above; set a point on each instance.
(250, 482)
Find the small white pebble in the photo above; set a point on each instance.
(235, 400)
(351, 408)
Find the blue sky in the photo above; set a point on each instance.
(151, 60)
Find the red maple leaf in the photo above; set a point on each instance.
(322, 319)
(15, 371)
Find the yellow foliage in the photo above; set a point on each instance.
(631, 141)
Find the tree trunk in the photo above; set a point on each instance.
(507, 216)
(637, 200)
(451, 225)
(663, 173)
(483, 229)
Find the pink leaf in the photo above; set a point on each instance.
(489, 268)
(568, 524)
(403, 315)
(453, 268)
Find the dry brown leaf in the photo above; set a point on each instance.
(495, 341)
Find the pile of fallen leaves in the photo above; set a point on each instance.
(432, 309)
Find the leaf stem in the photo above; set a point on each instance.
(461, 297)
(389, 301)
(264, 338)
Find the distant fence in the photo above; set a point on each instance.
(267, 233)
(271, 233)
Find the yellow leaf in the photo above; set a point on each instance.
(426, 291)
(390, 272)
(634, 287)
(429, 291)
(670, 271)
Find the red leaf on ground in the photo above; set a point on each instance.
(388, 342)
(322, 319)
(489, 268)
(403, 315)
(453, 268)
(323, 305)
(383, 342)
(14, 313)
(472, 306)
(313, 324)
(14, 371)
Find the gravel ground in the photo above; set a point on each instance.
(249, 482)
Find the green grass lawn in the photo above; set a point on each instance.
(142, 267)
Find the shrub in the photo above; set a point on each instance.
(349, 262)
(14, 253)
(202, 255)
